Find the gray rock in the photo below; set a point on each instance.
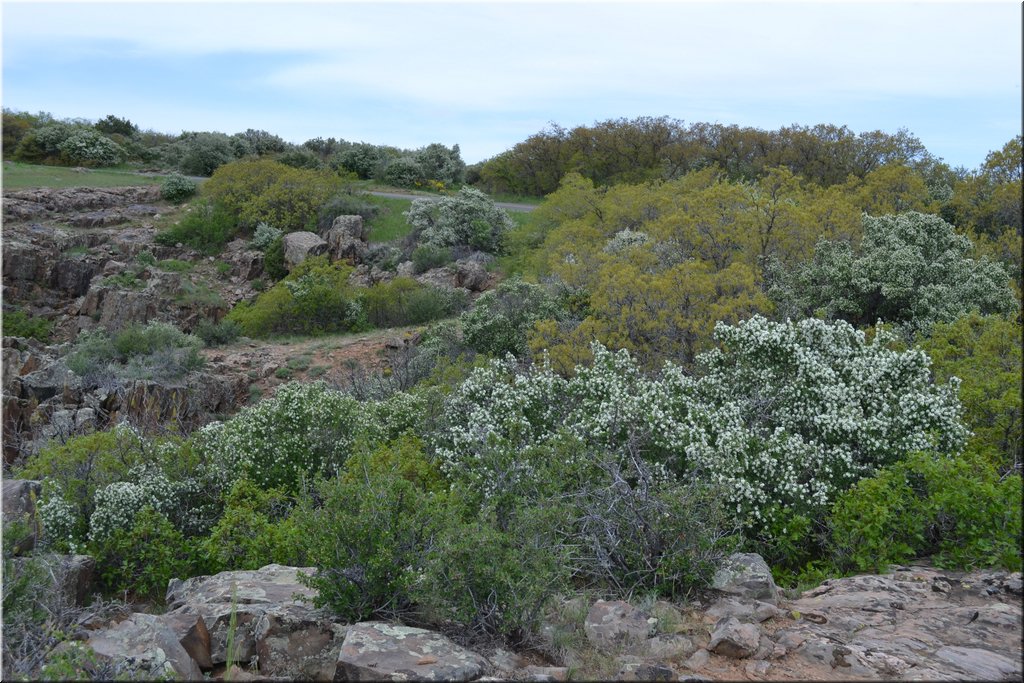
(144, 644)
(981, 664)
(298, 246)
(747, 575)
(734, 639)
(749, 612)
(376, 651)
(670, 647)
(616, 625)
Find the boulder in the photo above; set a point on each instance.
(346, 239)
(275, 623)
(747, 576)
(377, 651)
(471, 275)
(298, 246)
(734, 639)
(144, 644)
(616, 625)
(752, 612)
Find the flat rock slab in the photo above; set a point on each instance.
(377, 651)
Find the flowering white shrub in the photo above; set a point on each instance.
(58, 518)
(469, 218)
(117, 504)
(785, 416)
(912, 269)
(304, 429)
(625, 239)
(264, 236)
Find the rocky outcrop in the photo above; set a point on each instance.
(346, 239)
(616, 625)
(277, 627)
(298, 246)
(376, 651)
(43, 203)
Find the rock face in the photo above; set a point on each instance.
(276, 625)
(746, 575)
(376, 651)
(298, 246)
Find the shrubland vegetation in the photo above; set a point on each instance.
(804, 343)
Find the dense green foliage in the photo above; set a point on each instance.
(177, 188)
(315, 298)
(206, 227)
(955, 509)
(467, 219)
(21, 324)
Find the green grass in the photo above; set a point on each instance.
(390, 224)
(174, 265)
(17, 176)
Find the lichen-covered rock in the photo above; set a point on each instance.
(617, 625)
(144, 644)
(471, 275)
(377, 651)
(298, 246)
(748, 576)
(346, 239)
(276, 625)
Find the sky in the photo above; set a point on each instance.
(486, 75)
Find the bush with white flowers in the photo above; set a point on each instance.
(912, 269)
(117, 504)
(469, 218)
(784, 417)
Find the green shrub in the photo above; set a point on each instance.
(153, 351)
(468, 218)
(200, 154)
(217, 333)
(403, 301)
(86, 147)
(20, 324)
(255, 191)
(499, 321)
(206, 227)
(427, 256)
(273, 261)
(174, 265)
(264, 236)
(401, 172)
(177, 188)
(366, 540)
(956, 508)
(494, 580)
(141, 559)
(124, 280)
(314, 298)
(255, 530)
(304, 430)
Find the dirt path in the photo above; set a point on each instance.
(334, 359)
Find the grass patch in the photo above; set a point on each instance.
(174, 265)
(317, 371)
(17, 176)
(390, 224)
(299, 363)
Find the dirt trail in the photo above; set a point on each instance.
(333, 358)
